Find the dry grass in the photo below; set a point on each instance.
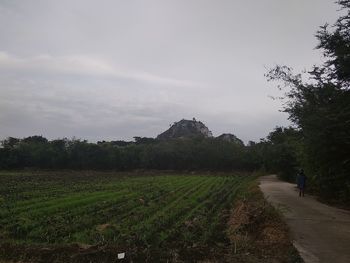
(258, 233)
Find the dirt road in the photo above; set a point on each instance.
(320, 233)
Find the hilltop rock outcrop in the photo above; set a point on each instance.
(186, 129)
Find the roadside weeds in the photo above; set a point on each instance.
(258, 233)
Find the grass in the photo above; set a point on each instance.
(257, 231)
(146, 216)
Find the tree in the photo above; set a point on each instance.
(280, 152)
(335, 45)
(10, 142)
(320, 108)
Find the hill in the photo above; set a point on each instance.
(228, 137)
(186, 129)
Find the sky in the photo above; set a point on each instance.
(111, 70)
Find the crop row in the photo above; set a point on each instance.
(143, 211)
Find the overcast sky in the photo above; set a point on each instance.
(117, 69)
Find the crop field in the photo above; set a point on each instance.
(142, 215)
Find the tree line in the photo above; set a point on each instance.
(195, 153)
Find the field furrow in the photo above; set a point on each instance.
(137, 211)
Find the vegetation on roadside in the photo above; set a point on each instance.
(320, 111)
(257, 232)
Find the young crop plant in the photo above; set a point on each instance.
(145, 216)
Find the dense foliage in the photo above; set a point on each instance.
(144, 153)
(320, 110)
(278, 153)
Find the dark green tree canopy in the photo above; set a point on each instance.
(320, 108)
(335, 44)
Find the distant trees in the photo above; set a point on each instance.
(279, 152)
(195, 153)
(320, 109)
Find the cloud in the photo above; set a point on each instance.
(82, 65)
(65, 96)
(116, 69)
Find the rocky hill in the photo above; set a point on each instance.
(228, 137)
(186, 129)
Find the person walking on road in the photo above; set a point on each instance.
(301, 180)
